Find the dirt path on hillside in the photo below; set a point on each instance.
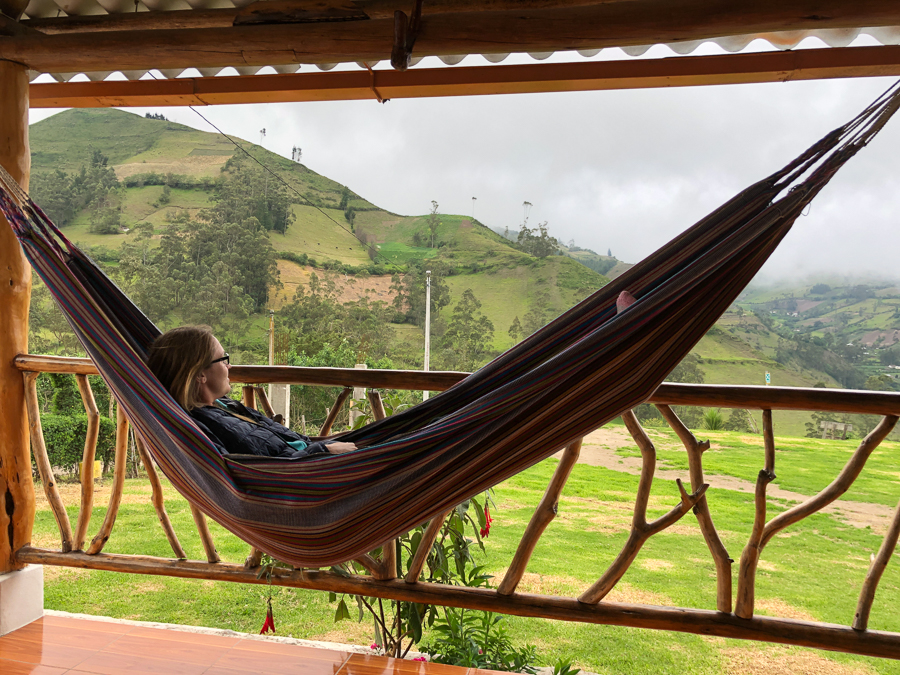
(599, 449)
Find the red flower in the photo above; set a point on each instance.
(420, 658)
(486, 530)
(269, 624)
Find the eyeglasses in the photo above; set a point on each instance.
(226, 359)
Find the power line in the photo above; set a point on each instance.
(305, 201)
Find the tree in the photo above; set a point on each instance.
(879, 383)
(105, 217)
(210, 271)
(433, 222)
(515, 330)
(94, 187)
(537, 243)
(345, 199)
(49, 332)
(538, 315)
(738, 420)
(53, 191)
(889, 357)
(409, 291)
(247, 191)
(469, 334)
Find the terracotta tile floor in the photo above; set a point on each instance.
(54, 645)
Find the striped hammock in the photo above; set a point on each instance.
(578, 372)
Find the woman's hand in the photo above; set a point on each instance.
(340, 448)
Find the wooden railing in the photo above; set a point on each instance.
(732, 617)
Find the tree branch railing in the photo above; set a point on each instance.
(590, 607)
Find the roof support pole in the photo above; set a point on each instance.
(16, 487)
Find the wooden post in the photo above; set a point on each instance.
(388, 568)
(42, 460)
(333, 413)
(641, 530)
(542, 517)
(87, 460)
(695, 450)
(156, 497)
(115, 496)
(16, 487)
(876, 569)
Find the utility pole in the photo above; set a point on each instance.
(474, 199)
(271, 344)
(427, 326)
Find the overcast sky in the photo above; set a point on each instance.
(619, 170)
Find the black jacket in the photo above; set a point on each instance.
(234, 436)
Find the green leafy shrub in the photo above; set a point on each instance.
(478, 639)
(713, 420)
(400, 625)
(738, 420)
(64, 437)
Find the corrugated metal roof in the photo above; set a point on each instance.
(839, 37)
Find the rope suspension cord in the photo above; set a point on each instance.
(581, 370)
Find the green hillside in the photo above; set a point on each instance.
(168, 172)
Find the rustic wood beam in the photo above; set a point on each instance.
(668, 393)
(723, 561)
(335, 409)
(876, 569)
(115, 495)
(158, 500)
(16, 486)
(209, 546)
(641, 530)
(425, 544)
(42, 460)
(750, 555)
(542, 517)
(763, 532)
(87, 459)
(838, 486)
(278, 11)
(616, 24)
(804, 64)
(704, 622)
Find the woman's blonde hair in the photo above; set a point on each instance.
(177, 357)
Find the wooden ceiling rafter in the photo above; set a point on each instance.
(804, 64)
(547, 27)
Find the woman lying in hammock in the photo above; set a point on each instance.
(192, 365)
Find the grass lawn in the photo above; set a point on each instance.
(812, 571)
(314, 233)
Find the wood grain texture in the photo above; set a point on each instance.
(703, 622)
(668, 393)
(87, 459)
(723, 561)
(209, 546)
(543, 515)
(156, 498)
(691, 71)
(641, 530)
(16, 487)
(613, 24)
(42, 460)
(115, 495)
(876, 569)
